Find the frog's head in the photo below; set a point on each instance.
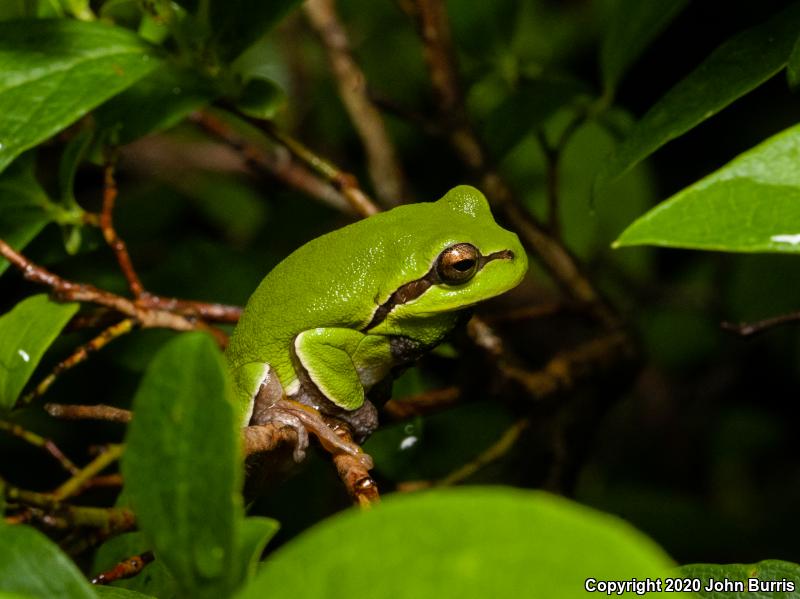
(455, 256)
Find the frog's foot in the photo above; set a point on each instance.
(314, 422)
(289, 419)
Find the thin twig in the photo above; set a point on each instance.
(494, 452)
(355, 476)
(83, 412)
(283, 168)
(382, 162)
(113, 518)
(422, 403)
(434, 30)
(38, 441)
(343, 181)
(97, 465)
(110, 233)
(146, 316)
(81, 354)
(127, 568)
(746, 329)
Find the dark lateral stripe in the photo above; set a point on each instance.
(414, 289)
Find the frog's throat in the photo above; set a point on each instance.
(414, 289)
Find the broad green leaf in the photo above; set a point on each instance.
(25, 333)
(182, 465)
(108, 592)
(31, 564)
(466, 543)
(633, 25)
(156, 102)
(261, 98)
(793, 66)
(770, 579)
(256, 532)
(738, 66)
(527, 109)
(55, 71)
(752, 204)
(24, 207)
(238, 23)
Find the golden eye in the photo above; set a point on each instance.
(458, 263)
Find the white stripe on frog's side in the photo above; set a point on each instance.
(266, 371)
(293, 387)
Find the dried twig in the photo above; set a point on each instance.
(356, 478)
(53, 512)
(146, 313)
(491, 454)
(283, 168)
(97, 465)
(81, 354)
(382, 162)
(434, 30)
(341, 180)
(422, 403)
(110, 233)
(127, 568)
(746, 329)
(38, 441)
(83, 412)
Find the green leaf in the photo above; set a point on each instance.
(793, 66)
(25, 333)
(182, 465)
(33, 565)
(752, 204)
(108, 592)
(527, 109)
(24, 206)
(738, 66)
(55, 71)
(634, 24)
(256, 532)
(466, 542)
(238, 23)
(261, 98)
(157, 102)
(780, 580)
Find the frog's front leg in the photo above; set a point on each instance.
(335, 369)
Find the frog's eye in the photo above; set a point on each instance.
(458, 263)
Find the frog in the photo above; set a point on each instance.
(340, 316)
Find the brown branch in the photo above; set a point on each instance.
(284, 169)
(422, 403)
(76, 483)
(434, 30)
(57, 513)
(494, 452)
(109, 232)
(382, 162)
(66, 290)
(745, 329)
(81, 354)
(343, 181)
(38, 441)
(127, 568)
(569, 368)
(84, 412)
(355, 475)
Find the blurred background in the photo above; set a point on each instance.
(694, 442)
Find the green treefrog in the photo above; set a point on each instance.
(343, 312)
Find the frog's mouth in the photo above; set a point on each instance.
(414, 289)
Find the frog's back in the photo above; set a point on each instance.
(341, 278)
